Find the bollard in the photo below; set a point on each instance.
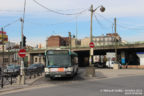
(18, 79)
(23, 80)
(2, 81)
(115, 66)
(11, 80)
(30, 74)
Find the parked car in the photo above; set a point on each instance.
(36, 68)
(110, 64)
(13, 70)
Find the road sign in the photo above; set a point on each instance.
(91, 44)
(22, 53)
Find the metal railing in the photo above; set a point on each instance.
(33, 73)
(7, 78)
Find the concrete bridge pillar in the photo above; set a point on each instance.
(141, 57)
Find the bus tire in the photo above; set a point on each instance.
(76, 72)
(52, 78)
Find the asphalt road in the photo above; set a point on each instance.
(124, 86)
(79, 77)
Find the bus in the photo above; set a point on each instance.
(61, 63)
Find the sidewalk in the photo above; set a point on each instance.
(111, 73)
(15, 86)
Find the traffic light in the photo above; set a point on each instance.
(24, 41)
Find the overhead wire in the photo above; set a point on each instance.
(100, 24)
(57, 12)
(129, 28)
(121, 25)
(66, 21)
(9, 24)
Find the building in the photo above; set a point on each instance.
(75, 43)
(108, 39)
(3, 37)
(85, 42)
(7, 58)
(57, 41)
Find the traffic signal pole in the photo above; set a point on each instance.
(22, 73)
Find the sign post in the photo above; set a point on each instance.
(22, 54)
(91, 45)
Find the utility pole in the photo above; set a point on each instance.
(91, 69)
(3, 59)
(22, 73)
(102, 9)
(70, 40)
(91, 38)
(115, 41)
(9, 51)
(91, 10)
(76, 33)
(116, 65)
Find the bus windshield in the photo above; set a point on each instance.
(56, 60)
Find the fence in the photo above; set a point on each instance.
(7, 78)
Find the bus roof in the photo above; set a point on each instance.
(61, 52)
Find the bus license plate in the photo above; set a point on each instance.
(54, 69)
(57, 75)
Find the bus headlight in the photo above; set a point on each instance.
(47, 70)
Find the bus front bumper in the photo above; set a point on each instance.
(59, 74)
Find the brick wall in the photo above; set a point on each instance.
(53, 41)
(57, 41)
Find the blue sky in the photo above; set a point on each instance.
(41, 23)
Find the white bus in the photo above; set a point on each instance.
(61, 63)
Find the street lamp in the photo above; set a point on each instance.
(102, 9)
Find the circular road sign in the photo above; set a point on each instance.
(22, 53)
(91, 45)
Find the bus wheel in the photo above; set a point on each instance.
(76, 72)
(52, 78)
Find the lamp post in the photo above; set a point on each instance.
(91, 69)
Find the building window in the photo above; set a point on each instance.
(35, 59)
(13, 60)
(6, 60)
(40, 59)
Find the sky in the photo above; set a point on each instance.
(40, 23)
